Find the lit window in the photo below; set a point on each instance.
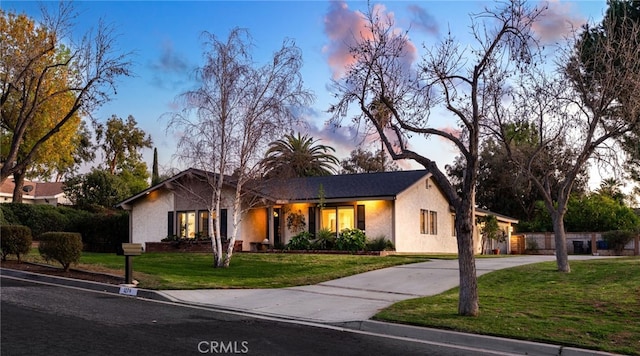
(187, 224)
(203, 229)
(338, 219)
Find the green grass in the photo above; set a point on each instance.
(269, 270)
(596, 306)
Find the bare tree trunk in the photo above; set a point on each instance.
(468, 296)
(18, 177)
(236, 224)
(562, 258)
(216, 241)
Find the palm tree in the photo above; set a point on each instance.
(612, 188)
(298, 156)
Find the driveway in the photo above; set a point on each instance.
(353, 298)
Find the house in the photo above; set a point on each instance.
(35, 193)
(406, 207)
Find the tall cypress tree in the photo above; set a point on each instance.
(155, 176)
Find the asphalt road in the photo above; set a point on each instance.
(38, 319)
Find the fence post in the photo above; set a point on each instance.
(594, 247)
(636, 246)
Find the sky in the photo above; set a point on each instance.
(164, 38)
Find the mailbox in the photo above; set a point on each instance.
(132, 249)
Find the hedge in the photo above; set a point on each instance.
(63, 247)
(16, 240)
(102, 231)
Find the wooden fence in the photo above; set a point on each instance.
(577, 243)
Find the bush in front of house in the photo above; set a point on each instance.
(617, 239)
(62, 247)
(325, 240)
(351, 240)
(380, 243)
(16, 240)
(301, 241)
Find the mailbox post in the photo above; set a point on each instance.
(130, 250)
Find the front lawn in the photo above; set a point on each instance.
(595, 306)
(248, 270)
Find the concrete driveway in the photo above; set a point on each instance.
(353, 298)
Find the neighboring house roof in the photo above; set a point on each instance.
(485, 212)
(34, 190)
(345, 186)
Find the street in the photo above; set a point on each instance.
(54, 320)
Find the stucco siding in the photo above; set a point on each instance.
(378, 218)
(149, 217)
(254, 227)
(423, 195)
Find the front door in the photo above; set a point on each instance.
(277, 238)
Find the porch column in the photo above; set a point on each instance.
(270, 233)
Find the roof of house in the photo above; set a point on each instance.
(38, 190)
(345, 186)
(168, 183)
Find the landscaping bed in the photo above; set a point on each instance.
(59, 272)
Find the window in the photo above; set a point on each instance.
(187, 224)
(453, 225)
(360, 217)
(338, 219)
(433, 223)
(424, 218)
(428, 222)
(203, 227)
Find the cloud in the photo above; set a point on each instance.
(345, 27)
(171, 69)
(558, 21)
(423, 21)
(455, 132)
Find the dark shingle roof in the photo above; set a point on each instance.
(346, 186)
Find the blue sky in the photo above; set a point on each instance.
(164, 38)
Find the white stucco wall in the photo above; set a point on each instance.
(407, 220)
(378, 218)
(149, 216)
(254, 227)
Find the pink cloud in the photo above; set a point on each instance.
(451, 131)
(557, 21)
(345, 28)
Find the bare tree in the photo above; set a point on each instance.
(238, 110)
(28, 69)
(397, 100)
(577, 114)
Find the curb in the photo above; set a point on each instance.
(78, 283)
(483, 342)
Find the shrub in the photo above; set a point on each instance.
(16, 240)
(325, 240)
(617, 239)
(63, 247)
(104, 232)
(301, 241)
(351, 240)
(532, 246)
(380, 243)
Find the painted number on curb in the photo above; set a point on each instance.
(129, 291)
